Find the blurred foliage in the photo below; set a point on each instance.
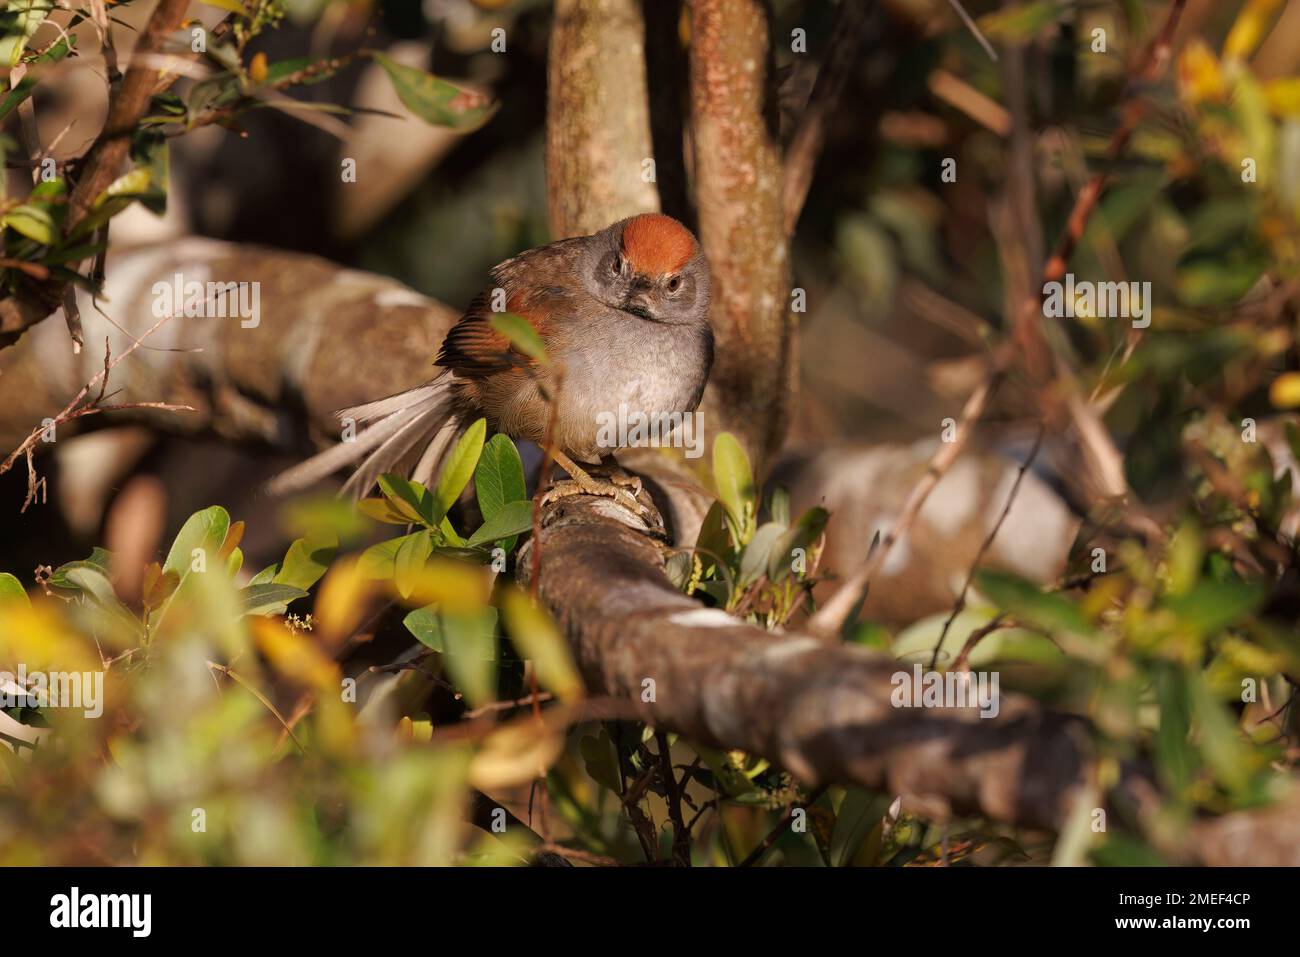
(249, 697)
(36, 245)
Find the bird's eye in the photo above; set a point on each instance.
(674, 284)
(617, 264)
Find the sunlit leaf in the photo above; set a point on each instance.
(512, 519)
(458, 469)
(536, 636)
(272, 599)
(434, 100)
(523, 337)
(735, 484)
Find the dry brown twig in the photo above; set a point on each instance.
(77, 410)
(801, 155)
(960, 604)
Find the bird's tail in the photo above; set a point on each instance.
(408, 433)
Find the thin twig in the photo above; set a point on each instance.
(838, 64)
(75, 410)
(757, 854)
(974, 29)
(960, 604)
(681, 836)
(252, 689)
(830, 619)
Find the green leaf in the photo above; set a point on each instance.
(410, 499)
(458, 469)
(1174, 756)
(809, 528)
(1028, 602)
(409, 561)
(94, 584)
(471, 642)
(778, 505)
(206, 530)
(514, 518)
(735, 483)
(306, 561)
(18, 22)
(1019, 23)
(99, 558)
(151, 151)
(536, 636)
(712, 544)
(121, 193)
(499, 478)
(426, 626)
(754, 562)
(272, 599)
(266, 575)
(379, 561)
(434, 100)
(31, 221)
(1213, 605)
(600, 758)
(11, 590)
(1220, 740)
(16, 95)
(521, 334)
(381, 511)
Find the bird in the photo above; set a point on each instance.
(623, 315)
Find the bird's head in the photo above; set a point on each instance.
(650, 266)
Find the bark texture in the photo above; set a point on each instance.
(738, 187)
(824, 711)
(326, 337)
(598, 118)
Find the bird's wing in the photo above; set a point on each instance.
(475, 348)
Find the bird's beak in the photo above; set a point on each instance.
(637, 300)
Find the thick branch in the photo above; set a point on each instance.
(824, 711)
(325, 337)
(598, 119)
(738, 183)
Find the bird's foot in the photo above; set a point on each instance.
(588, 485)
(622, 487)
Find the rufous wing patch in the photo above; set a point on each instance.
(655, 244)
(474, 347)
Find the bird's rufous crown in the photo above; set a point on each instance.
(654, 244)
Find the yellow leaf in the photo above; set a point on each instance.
(1199, 75)
(1251, 27)
(537, 638)
(456, 587)
(295, 656)
(342, 601)
(516, 753)
(1285, 390)
(1283, 96)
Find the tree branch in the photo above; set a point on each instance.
(598, 118)
(103, 163)
(738, 183)
(806, 144)
(824, 711)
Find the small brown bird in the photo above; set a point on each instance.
(623, 314)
